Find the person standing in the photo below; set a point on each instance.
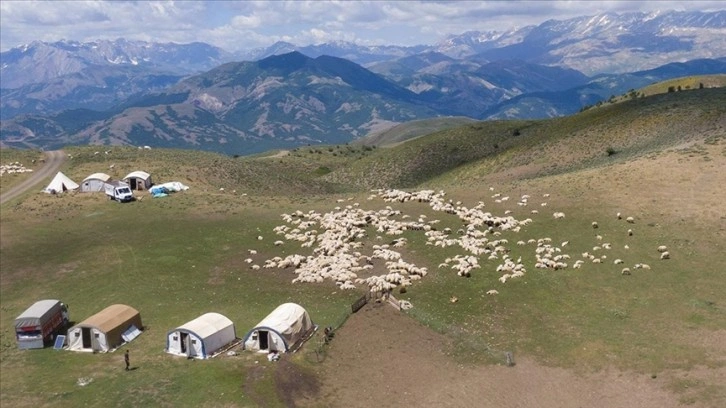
(126, 360)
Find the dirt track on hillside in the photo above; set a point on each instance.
(382, 357)
(53, 162)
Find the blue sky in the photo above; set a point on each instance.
(244, 25)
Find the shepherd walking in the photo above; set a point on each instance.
(126, 360)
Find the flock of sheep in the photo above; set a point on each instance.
(337, 241)
(14, 168)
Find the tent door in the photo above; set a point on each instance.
(263, 336)
(86, 337)
(184, 342)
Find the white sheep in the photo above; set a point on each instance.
(625, 271)
(618, 261)
(630, 220)
(594, 225)
(662, 248)
(665, 255)
(492, 292)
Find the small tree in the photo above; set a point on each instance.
(611, 151)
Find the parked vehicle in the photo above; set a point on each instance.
(38, 325)
(119, 191)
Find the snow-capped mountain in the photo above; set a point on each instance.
(40, 62)
(606, 43)
(530, 72)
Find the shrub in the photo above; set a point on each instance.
(611, 151)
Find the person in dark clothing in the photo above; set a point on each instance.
(126, 360)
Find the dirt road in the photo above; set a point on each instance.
(54, 160)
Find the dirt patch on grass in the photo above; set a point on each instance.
(254, 376)
(294, 383)
(382, 357)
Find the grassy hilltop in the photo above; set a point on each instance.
(660, 159)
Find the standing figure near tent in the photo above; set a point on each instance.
(126, 360)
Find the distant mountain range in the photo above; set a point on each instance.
(198, 96)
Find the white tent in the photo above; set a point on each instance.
(105, 330)
(285, 329)
(59, 184)
(201, 337)
(138, 180)
(94, 182)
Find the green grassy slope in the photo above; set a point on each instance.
(411, 130)
(178, 257)
(545, 147)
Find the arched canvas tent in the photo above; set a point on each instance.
(59, 184)
(282, 330)
(105, 330)
(138, 180)
(94, 182)
(201, 337)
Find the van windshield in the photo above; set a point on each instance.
(124, 190)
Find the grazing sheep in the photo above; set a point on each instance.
(630, 220)
(559, 215)
(594, 225)
(665, 255)
(278, 243)
(618, 261)
(492, 292)
(598, 237)
(630, 232)
(259, 238)
(620, 217)
(625, 271)
(662, 248)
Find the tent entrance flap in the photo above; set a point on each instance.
(183, 342)
(263, 336)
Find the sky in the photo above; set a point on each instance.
(245, 25)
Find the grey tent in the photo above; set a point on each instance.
(94, 182)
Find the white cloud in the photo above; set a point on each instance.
(250, 24)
